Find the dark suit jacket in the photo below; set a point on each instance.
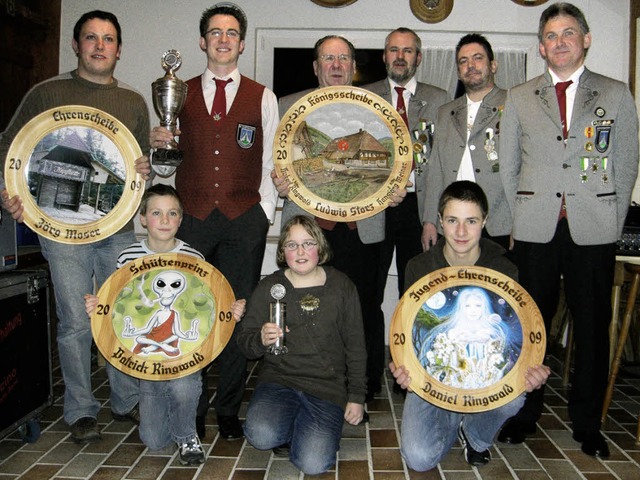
(423, 105)
(596, 171)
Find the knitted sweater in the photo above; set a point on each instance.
(327, 355)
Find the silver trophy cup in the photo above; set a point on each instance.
(277, 315)
(169, 95)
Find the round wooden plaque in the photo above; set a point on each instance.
(344, 150)
(74, 168)
(163, 316)
(333, 3)
(467, 336)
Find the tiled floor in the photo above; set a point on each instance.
(367, 452)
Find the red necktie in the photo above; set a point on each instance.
(400, 106)
(561, 93)
(219, 108)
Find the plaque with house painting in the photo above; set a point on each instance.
(73, 167)
(344, 151)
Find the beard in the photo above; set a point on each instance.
(401, 77)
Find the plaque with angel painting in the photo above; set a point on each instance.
(74, 168)
(467, 335)
(163, 316)
(344, 150)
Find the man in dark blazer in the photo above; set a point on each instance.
(466, 141)
(403, 225)
(569, 187)
(355, 247)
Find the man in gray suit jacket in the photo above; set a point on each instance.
(569, 186)
(403, 227)
(466, 141)
(355, 246)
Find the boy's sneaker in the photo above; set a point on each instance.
(191, 452)
(132, 415)
(85, 430)
(472, 456)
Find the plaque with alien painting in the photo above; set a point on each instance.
(344, 150)
(467, 336)
(163, 316)
(74, 168)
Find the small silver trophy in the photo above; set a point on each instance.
(277, 315)
(169, 95)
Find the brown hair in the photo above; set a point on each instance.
(313, 229)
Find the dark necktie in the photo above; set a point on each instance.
(219, 108)
(561, 93)
(400, 106)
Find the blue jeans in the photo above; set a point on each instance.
(168, 410)
(72, 268)
(429, 432)
(279, 415)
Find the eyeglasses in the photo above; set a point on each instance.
(306, 245)
(217, 33)
(342, 58)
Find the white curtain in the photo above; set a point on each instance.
(438, 68)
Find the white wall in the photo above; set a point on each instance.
(152, 26)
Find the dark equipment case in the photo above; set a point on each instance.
(26, 386)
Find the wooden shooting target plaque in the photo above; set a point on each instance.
(163, 316)
(74, 168)
(344, 150)
(467, 336)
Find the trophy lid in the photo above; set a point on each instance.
(171, 61)
(278, 291)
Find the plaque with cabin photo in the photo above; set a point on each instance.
(74, 169)
(467, 336)
(344, 152)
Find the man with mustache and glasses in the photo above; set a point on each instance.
(418, 104)
(466, 144)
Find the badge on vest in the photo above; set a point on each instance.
(245, 135)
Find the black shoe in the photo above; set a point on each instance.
(282, 451)
(229, 427)
(201, 428)
(515, 432)
(85, 430)
(472, 456)
(365, 418)
(593, 443)
(132, 415)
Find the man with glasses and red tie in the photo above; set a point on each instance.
(226, 128)
(568, 162)
(355, 245)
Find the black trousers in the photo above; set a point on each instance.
(403, 233)
(236, 248)
(587, 273)
(359, 262)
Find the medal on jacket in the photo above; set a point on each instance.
(421, 147)
(490, 148)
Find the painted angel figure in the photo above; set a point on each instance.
(467, 349)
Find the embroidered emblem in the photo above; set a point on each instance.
(245, 135)
(602, 138)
